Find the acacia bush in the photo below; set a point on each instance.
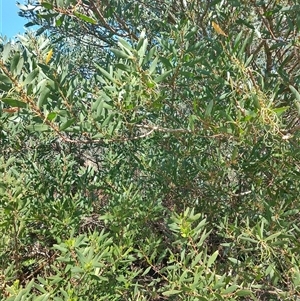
(150, 151)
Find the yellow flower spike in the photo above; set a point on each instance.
(49, 56)
(218, 29)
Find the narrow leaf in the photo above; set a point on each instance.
(120, 54)
(14, 62)
(125, 45)
(230, 289)
(67, 124)
(38, 127)
(14, 102)
(5, 79)
(105, 73)
(123, 67)
(46, 5)
(212, 258)
(85, 18)
(295, 92)
(171, 292)
(153, 65)
(209, 108)
(218, 29)
(31, 76)
(161, 77)
(43, 97)
(243, 293)
(49, 56)
(6, 51)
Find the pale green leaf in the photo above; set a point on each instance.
(171, 292)
(31, 76)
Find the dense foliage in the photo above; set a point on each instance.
(150, 151)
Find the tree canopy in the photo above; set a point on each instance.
(150, 151)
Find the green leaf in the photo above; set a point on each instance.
(43, 297)
(31, 76)
(295, 92)
(297, 100)
(147, 271)
(153, 65)
(249, 60)
(230, 289)
(100, 108)
(248, 239)
(46, 5)
(67, 124)
(234, 260)
(38, 127)
(243, 292)
(162, 76)
(105, 73)
(43, 96)
(123, 67)
(141, 40)
(6, 51)
(120, 54)
(150, 54)
(197, 260)
(212, 258)
(14, 102)
(29, 24)
(171, 292)
(280, 111)
(107, 120)
(166, 62)
(20, 66)
(85, 18)
(60, 248)
(51, 116)
(4, 87)
(209, 108)
(59, 22)
(244, 22)
(125, 45)
(96, 104)
(14, 62)
(5, 79)
(272, 236)
(76, 270)
(142, 51)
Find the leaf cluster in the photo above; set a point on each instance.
(150, 151)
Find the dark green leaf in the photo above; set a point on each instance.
(5, 79)
(14, 102)
(46, 5)
(161, 77)
(14, 62)
(67, 124)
